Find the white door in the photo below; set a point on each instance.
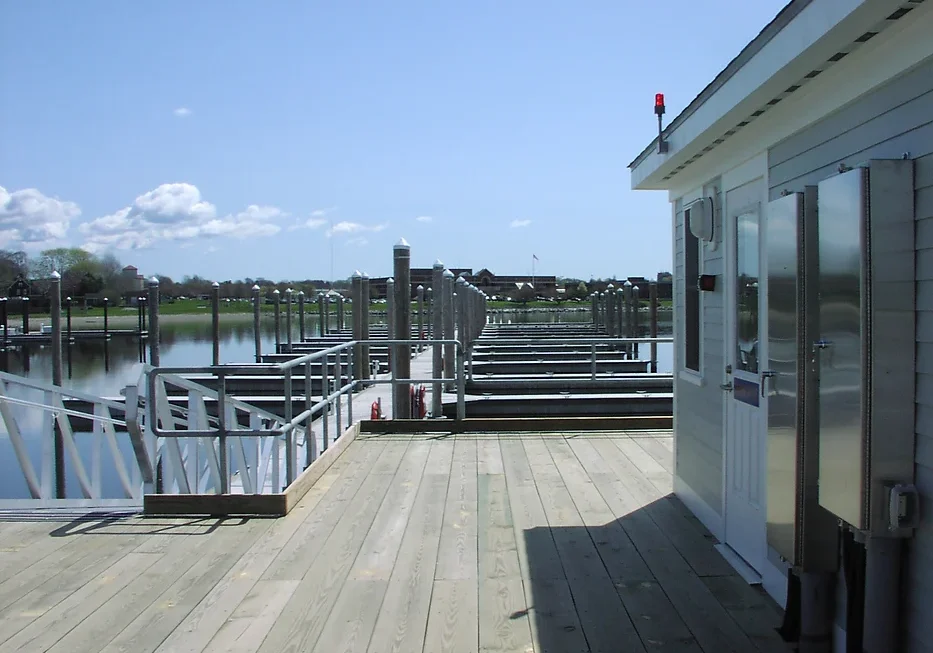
(746, 408)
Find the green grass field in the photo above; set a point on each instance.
(203, 307)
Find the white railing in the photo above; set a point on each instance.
(43, 439)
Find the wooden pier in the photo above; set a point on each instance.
(467, 542)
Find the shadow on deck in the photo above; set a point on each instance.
(509, 542)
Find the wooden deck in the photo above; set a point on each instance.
(408, 543)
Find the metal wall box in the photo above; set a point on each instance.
(866, 350)
(798, 528)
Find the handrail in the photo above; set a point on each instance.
(279, 427)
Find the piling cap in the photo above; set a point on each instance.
(420, 288)
(610, 287)
(390, 280)
(276, 292)
(56, 275)
(215, 285)
(356, 274)
(439, 264)
(301, 293)
(619, 291)
(256, 286)
(627, 284)
(635, 288)
(402, 244)
(365, 276)
(448, 274)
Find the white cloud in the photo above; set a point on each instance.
(424, 218)
(310, 223)
(175, 212)
(320, 213)
(29, 219)
(518, 224)
(355, 228)
(182, 112)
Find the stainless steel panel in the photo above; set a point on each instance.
(781, 238)
(841, 352)
(891, 370)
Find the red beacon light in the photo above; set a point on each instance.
(659, 111)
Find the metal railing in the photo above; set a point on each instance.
(43, 471)
(256, 447)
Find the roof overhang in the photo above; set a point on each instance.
(804, 39)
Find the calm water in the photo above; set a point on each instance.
(106, 368)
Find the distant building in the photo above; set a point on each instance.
(419, 277)
(132, 285)
(492, 284)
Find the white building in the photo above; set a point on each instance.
(801, 186)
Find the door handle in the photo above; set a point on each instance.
(726, 387)
(765, 375)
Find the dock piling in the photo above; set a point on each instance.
(288, 319)
(322, 325)
(215, 323)
(4, 304)
(390, 329)
(301, 316)
(420, 299)
(154, 354)
(636, 302)
(340, 313)
(25, 315)
(55, 295)
(325, 297)
(356, 301)
(437, 333)
(653, 324)
(364, 317)
(448, 309)
(106, 324)
(401, 367)
(277, 301)
(257, 334)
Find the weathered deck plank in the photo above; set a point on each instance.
(466, 543)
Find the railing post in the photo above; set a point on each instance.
(224, 462)
(653, 328)
(401, 367)
(277, 300)
(291, 470)
(301, 316)
(325, 414)
(154, 353)
(364, 320)
(420, 300)
(437, 333)
(310, 438)
(338, 383)
(257, 334)
(352, 382)
(356, 301)
(215, 323)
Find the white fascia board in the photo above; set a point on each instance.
(896, 50)
(821, 29)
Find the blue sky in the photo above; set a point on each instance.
(242, 139)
